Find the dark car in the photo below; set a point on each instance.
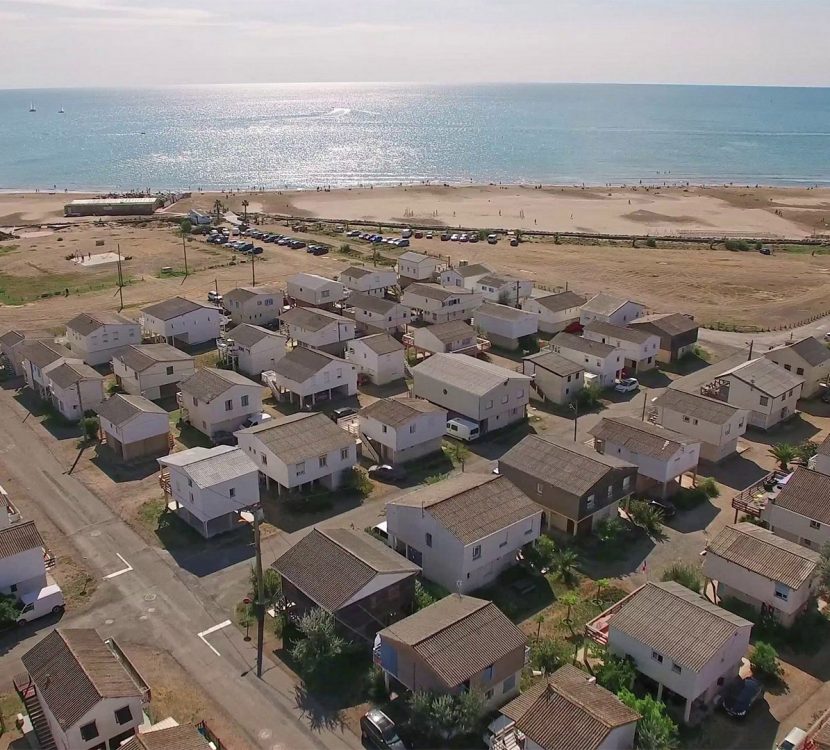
(257, 250)
(665, 507)
(386, 472)
(223, 438)
(298, 245)
(320, 251)
(445, 237)
(742, 697)
(379, 731)
(343, 411)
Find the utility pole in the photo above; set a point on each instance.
(184, 250)
(517, 292)
(120, 280)
(216, 285)
(751, 346)
(645, 401)
(253, 268)
(260, 593)
(575, 407)
(80, 402)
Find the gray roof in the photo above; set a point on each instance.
(86, 323)
(248, 335)
(19, 537)
(301, 436)
(641, 438)
(74, 670)
(472, 506)
(244, 293)
(498, 280)
(604, 304)
(10, 338)
(210, 383)
(671, 324)
(677, 623)
(810, 349)
(619, 332)
(571, 467)
(68, 374)
(695, 405)
(560, 301)
(452, 330)
(824, 448)
(579, 344)
(766, 376)
(458, 637)
(182, 737)
(568, 710)
(356, 272)
(381, 343)
(173, 308)
(139, 357)
(121, 408)
(373, 303)
(311, 319)
(301, 363)
(473, 269)
(555, 363)
(807, 493)
(413, 257)
(331, 566)
(503, 312)
(42, 353)
(474, 375)
(436, 291)
(311, 280)
(208, 467)
(395, 412)
(759, 550)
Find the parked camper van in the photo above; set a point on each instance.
(39, 603)
(463, 429)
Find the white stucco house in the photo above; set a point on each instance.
(134, 428)
(252, 349)
(397, 430)
(556, 311)
(22, 557)
(464, 274)
(661, 456)
(799, 509)
(603, 360)
(808, 358)
(180, 321)
(434, 303)
(412, 266)
(454, 336)
(11, 343)
(640, 348)
(504, 326)
(371, 281)
(776, 576)
(379, 358)
(555, 378)
(257, 305)
(307, 376)
(152, 370)
(378, 314)
(312, 290)
(607, 308)
(74, 389)
(490, 395)
(463, 531)
(300, 451)
(717, 425)
(207, 487)
(503, 288)
(218, 401)
(96, 337)
(678, 639)
(36, 357)
(318, 329)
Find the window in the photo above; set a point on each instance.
(300, 468)
(589, 502)
(487, 674)
(529, 529)
(325, 293)
(123, 715)
(170, 370)
(477, 552)
(195, 401)
(324, 460)
(264, 459)
(232, 492)
(509, 684)
(489, 404)
(229, 404)
(89, 731)
(611, 492)
(781, 591)
(728, 429)
(412, 429)
(540, 488)
(815, 525)
(429, 539)
(788, 368)
(657, 657)
(626, 482)
(488, 695)
(385, 428)
(676, 668)
(344, 454)
(764, 400)
(685, 418)
(244, 400)
(505, 398)
(189, 482)
(799, 371)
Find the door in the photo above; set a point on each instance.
(414, 555)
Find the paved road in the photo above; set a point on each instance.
(764, 341)
(155, 604)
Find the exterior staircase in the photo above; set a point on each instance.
(28, 694)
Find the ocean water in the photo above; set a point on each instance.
(309, 135)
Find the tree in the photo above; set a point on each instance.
(539, 620)
(185, 227)
(806, 450)
(764, 660)
(245, 205)
(564, 563)
(570, 599)
(217, 209)
(783, 453)
(469, 711)
(616, 673)
(271, 583)
(90, 427)
(655, 730)
(645, 516)
(710, 487)
(548, 654)
(685, 574)
(602, 584)
(824, 568)
(529, 343)
(542, 554)
(8, 610)
(457, 452)
(320, 644)
(423, 598)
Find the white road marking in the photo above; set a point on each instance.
(213, 630)
(123, 570)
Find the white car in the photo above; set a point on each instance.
(428, 235)
(454, 238)
(793, 741)
(626, 385)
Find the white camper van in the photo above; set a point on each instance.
(39, 603)
(463, 429)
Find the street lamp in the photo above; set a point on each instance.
(574, 407)
(255, 516)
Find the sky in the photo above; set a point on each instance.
(65, 43)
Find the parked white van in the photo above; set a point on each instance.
(39, 603)
(463, 429)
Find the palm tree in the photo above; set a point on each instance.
(570, 599)
(245, 205)
(564, 563)
(783, 453)
(602, 584)
(539, 619)
(458, 452)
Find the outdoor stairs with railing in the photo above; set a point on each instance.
(28, 695)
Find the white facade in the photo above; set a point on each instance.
(331, 336)
(103, 714)
(640, 349)
(23, 571)
(504, 326)
(607, 309)
(379, 365)
(765, 409)
(253, 356)
(373, 281)
(258, 305)
(420, 435)
(97, 346)
(327, 376)
(556, 311)
(142, 427)
(224, 412)
(556, 382)
(815, 372)
(419, 267)
(797, 528)
(386, 316)
(191, 328)
(602, 360)
(74, 399)
(463, 339)
(315, 291)
(153, 381)
(436, 304)
(507, 290)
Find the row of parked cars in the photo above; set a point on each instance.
(378, 239)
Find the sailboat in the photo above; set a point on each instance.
(32, 107)
(61, 111)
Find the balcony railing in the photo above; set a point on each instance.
(754, 499)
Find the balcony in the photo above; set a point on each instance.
(12, 513)
(597, 629)
(754, 499)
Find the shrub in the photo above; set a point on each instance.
(737, 246)
(376, 688)
(529, 344)
(710, 487)
(8, 610)
(423, 598)
(90, 425)
(320, 642)
(647, 518)
(686, 575)
(689, 497)
(542, 553)
(616, 673)
(358, 482)
(610, 530)
(651, 242)
(548, 654)
(185, 227)
(764, 660)
(588, 397)
(655, 730)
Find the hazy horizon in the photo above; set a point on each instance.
(115, 43)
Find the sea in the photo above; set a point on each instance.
(317, 135)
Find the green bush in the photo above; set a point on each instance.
(423, 598)
(358, 482)
(616, 673)
(90, 427)
(737, 246)
(548, 654)
(8, 610)
(686, 575)
(651, 242)
(529, 344)
(610, 530)
(710, 487)
(689, 497)
(764, 660)
(588, 397)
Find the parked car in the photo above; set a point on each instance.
(474, 237)
(214, 296)
(379, 731)
(626, 385)
(223, 438)
(665, 507)
(742, 697)
(795, 740)
(343, 411)
(321, 251)
(39, 603)
(429, 235)
(256, 419)
(514, 242)
(492, 239)
(353, 233)
(454, 238)
(386, 472)
(463, 429)
(444, 237)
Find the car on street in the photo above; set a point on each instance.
(665, 507)
(626, 385)
(353, 233)
(343, 411)
(223, 438)
(214, 296)
(795, 740)
(256, 419)
(454, 237)
(386, 472)
(742, 697)
(514, 242)
(445, 237)
(429, 235)
(379, 731)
